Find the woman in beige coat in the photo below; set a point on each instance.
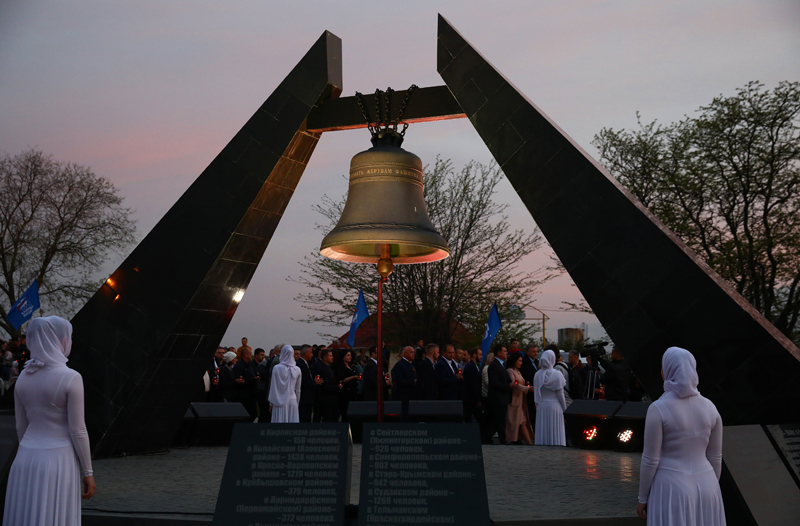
(517, 425)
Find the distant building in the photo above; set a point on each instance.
(566, 336)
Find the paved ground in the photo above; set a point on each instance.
(522, 482)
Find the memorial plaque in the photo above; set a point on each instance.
(284, 474)
(787, 438)
(422, 474)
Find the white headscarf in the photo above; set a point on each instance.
(50, 341)
(228, 356)
(680, 373)
(284, 378)
(546, 376)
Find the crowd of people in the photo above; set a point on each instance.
(13, 355)
(681, 461)
(511, 393)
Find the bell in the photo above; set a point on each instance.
(385, 217)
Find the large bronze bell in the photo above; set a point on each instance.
(385, 216)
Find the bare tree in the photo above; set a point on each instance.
(428, 299)
(58, 223)
(728, 183)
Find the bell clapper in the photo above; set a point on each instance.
(385, 265)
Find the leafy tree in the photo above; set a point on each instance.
(429, 298)
(727, 181)
(58, 223)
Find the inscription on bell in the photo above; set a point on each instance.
(388, 171)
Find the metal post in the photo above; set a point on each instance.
(380, 351)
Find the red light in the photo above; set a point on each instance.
(590, 433)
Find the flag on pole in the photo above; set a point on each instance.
(359, 315)
(24, 308)
(493, 326)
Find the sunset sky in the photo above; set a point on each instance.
(148, 93)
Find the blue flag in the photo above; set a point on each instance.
(493, 326)
(359, 315)
(23, 309)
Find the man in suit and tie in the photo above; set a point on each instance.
(448, 375)
(426, 375)
(328, 394)
(530, 364)
(308, 385)
(404, 380)
(472, 386)
(499, 397)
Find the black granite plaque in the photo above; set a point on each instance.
(283, 474)
(787, 438)
(422, 474)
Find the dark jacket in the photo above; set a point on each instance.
(370, 377)
(245, 371)
(404, 386)
(227, 384)
(472, 383)
(426, 381)
(448, 383)
(308, 387)
(349, 389)
(499, 384)
(616, 379)
(528, 370)
(328, 391)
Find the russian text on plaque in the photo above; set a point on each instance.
(285, 474)
(422, 474)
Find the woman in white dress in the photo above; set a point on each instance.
(548, 394)
(682, 457)
(44, 485)
(284, 388)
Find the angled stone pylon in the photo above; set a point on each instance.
(648, 289)
(143, 341)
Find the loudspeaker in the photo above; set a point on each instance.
(361, 411)
(213, 422)
(448, 411)
(589, 423)
(629, 426)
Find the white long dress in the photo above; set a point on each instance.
(681, 463)
(548, 394)
(284, 389)
(682, 457)
(550, 419)
(44, 485)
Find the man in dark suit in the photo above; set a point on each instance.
(246, 382)
(426, 375)
(308, 385)
(472, 387)
(327, 401)
(499, 396)
(404, 380)
(370, 377)
(448, 375)
(530, 364)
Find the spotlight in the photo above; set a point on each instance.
(629, 426)
(625, 436)
(591, 433)
(238, 296)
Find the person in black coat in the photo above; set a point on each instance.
(370, 377)
(213, 375)
(328, 391)
(404, 380)
(245, 378)
(499, 396)
(472, 387)
(530, 364)
(308, 385)
(448, 375)
(426, 375)
(348, 378)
